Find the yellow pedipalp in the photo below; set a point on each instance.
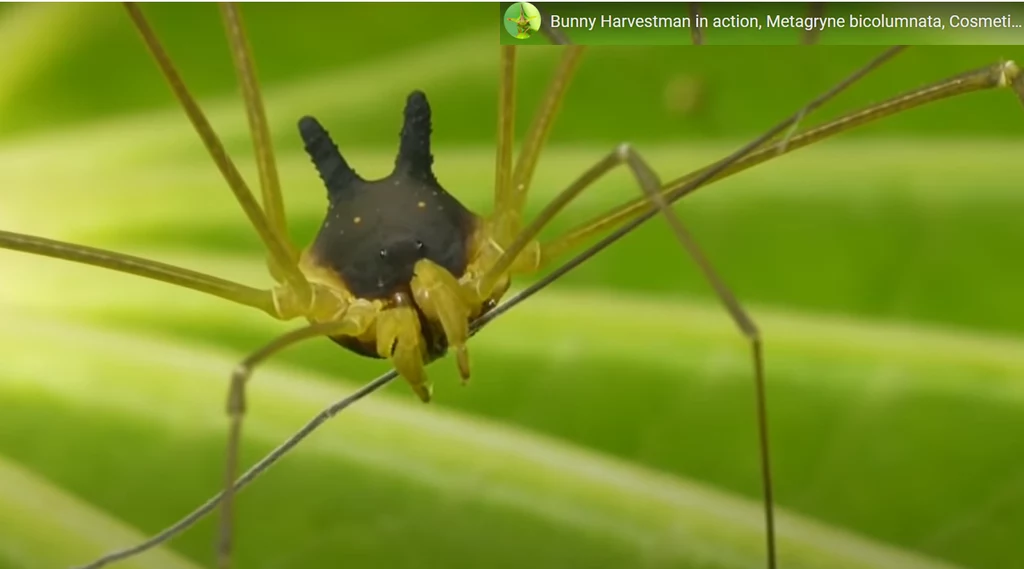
(400, 339)
(441, 298)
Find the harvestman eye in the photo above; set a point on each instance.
(404, 324)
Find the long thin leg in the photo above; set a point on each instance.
(508, 213)
(1003, 74)
(814, 10)
(511, 189)
(240, 294)
(543, 120)
(555, 35)
(270, 183)
(650, 185)
(506, 139)
(283, 259)
(696, 32)
(624, 154)
(354, 322)
(254, 471)
(563, 199)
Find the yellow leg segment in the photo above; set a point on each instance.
(354, 321)
(1000, 75)
(400, 339)
(441, 298)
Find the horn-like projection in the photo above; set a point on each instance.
(336, 174)
(414, 158)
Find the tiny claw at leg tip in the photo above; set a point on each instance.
(424, 393)
(463, 360)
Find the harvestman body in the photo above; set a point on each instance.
(381, 238)
(401, 270)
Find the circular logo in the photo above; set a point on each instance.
(521, 20)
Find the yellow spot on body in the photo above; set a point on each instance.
(357, 219)
(421, 205)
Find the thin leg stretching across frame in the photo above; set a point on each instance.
(353, 323)
(282, 256)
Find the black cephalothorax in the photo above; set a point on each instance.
(375, 231)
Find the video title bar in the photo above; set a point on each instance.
(763, 23)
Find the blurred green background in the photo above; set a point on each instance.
(609, 422)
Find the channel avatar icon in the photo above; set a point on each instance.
(522, 19)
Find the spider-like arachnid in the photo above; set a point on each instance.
(401, 270)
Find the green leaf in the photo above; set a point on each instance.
(46, 527)
(37, 33)
(855, 405)
(883, 268)
(424, 472)
(888, 229)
